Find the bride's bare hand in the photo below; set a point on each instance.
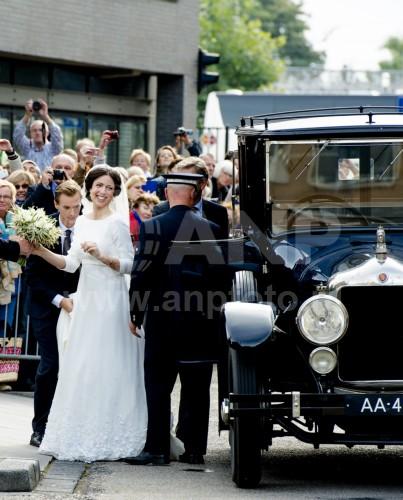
(91, 248)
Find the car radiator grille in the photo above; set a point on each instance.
(372, 348)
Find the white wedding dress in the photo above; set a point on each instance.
(99, 410)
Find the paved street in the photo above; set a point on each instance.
(291, 469)
(16, 413)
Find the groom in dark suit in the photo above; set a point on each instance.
(172, 329)
(49, 289)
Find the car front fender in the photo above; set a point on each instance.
(248, 324)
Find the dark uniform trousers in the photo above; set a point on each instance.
(161, 371)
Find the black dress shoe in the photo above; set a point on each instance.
(36, 439)
(191, 458)
(146, 458)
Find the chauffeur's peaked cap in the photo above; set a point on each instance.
(183, 178)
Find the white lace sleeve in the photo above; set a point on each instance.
(74, 257)
(123, 245)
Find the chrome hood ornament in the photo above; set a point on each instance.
(381, 250)
(380, 270)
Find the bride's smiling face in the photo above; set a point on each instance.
(102, 190)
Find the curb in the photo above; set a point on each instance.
(19, 474)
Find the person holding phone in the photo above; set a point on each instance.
(99, 153)
(89, 155)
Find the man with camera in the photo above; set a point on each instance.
(62, 168)
(184, 141)
(46, 138)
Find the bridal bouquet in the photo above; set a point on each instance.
(36, 227)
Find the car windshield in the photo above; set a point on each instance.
(334, 183)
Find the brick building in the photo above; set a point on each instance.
(126, 64)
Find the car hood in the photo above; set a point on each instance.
(337, 257)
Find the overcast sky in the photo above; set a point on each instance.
(352, 32)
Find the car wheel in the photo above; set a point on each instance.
(244, 287)
(245, 431)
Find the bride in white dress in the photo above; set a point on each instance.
(99, 411)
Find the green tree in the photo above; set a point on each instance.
(395, 47)
(249, 55)
(285, 18)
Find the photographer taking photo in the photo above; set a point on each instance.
(46, 138)
(62, 168)
(185, 142)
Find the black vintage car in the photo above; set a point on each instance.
(314, 332)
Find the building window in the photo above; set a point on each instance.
(31, 74)
(66, 79)
(5, 71)
(5, 124)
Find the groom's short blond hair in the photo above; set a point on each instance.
(69, 188)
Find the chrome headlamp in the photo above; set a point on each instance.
(322, 319)
(323, 360)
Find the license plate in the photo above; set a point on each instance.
(374, 405)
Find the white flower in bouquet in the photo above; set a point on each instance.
(35, 226)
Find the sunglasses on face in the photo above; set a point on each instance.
(23, 186)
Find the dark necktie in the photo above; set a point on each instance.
(67, 241)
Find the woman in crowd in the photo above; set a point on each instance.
(140, 158)
(99, 410)
(142, 210)
(222, 180)
(166, 157)
(145, 204)
(134, 187)
(31, 167)
(24, 183)
(8, 270)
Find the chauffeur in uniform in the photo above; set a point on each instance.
(171, 331)
(205, 208)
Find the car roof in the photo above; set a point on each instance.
(331, 122)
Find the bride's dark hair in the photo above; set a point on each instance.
(99, 171)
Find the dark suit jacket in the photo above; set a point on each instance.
(9, 250)
(46, 281)
(212, 211)
(162, 279)
(151, 273)
(41, 197)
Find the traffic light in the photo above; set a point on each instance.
(206, 77)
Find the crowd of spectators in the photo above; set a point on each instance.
(35, 162)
